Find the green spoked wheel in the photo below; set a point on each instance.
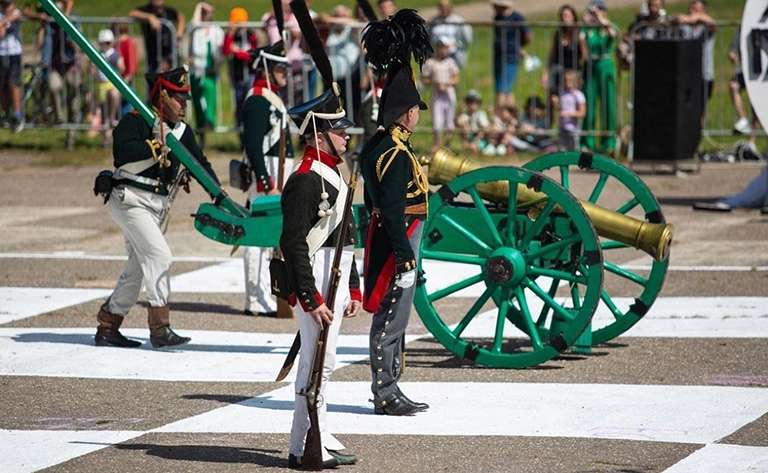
(507, 256)
(643, 279)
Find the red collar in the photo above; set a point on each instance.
(262, 84)
(310, 153)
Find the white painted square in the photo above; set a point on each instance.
(21, 302)
(684, 414)
(719, 458)
(31, 450)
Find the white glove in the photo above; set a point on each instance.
(406, 279)
(161, 130)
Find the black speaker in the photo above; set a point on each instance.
(669, 99)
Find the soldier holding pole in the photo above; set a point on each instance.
(266, 138)
(144, 170)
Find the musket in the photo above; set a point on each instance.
(313, 449)
(165, 214)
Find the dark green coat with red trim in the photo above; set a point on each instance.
(394, 180)
(300, 202)
(133, 141)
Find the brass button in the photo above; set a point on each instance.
(378, 382)
(380, 370)
(395, 288)
(383, 334)
(383, 403)
(379, 347)
(394, 300)
(386, 322)
(379, 358)
(390, 311)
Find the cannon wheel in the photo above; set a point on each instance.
(485, 238)
(649, 286)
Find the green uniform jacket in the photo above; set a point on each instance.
(133, 140)
(396, 196)
(258, 116)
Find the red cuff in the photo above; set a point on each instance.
(264, 188)
(355, 293)
(292, 300)
(309, 305)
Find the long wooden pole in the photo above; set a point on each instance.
(206, 180)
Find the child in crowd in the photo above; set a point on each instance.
(108, 96)
(532, 136)
(502, 135)
(442, 72)
(573, 107)
(473, 123)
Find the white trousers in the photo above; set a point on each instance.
(258, 293)
(137, 213)
(322, 263)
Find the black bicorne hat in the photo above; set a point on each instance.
(399, 95)
(328, 114)
(268, 55)
(175, 82)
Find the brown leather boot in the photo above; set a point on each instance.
(107, 332)
(160, 333)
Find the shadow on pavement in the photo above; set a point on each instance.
(211, 454)
(87, 339)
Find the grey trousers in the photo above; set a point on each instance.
(388, 332)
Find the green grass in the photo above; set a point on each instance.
(477, 75)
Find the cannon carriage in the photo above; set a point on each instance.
(537, 255)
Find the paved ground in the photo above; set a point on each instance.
(683, 391)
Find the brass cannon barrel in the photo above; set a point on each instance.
(654, 239)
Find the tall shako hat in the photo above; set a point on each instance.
(275, 52)
(173, 82)
(390, 44)
(325, 112)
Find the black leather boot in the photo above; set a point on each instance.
(396, 405)
(294, 462)
(107, 332)
(160, 333)
(422, 406)
(343, 459)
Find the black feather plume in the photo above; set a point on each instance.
(396, 39)
(314, 43)
(277, 6)
(365, 5)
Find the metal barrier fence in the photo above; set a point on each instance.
(62, 90)
(539, 68)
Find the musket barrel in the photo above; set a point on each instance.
(654, 239)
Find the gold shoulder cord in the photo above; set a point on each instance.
(419, 176)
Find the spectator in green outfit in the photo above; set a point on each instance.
(205, 59)
(599, 77)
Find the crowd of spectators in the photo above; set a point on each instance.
(577, 111)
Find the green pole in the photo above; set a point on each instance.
(206, 180)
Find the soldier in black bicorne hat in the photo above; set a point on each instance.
(265, 128)
(144, 170)
(313, 202)
(396, 196)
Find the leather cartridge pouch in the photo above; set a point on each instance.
(239, 174)
(281, 285)
(103, 184)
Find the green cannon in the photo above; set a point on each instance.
(541, 262)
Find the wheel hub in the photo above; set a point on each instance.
(505, 267)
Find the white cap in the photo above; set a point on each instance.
(106, 36)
